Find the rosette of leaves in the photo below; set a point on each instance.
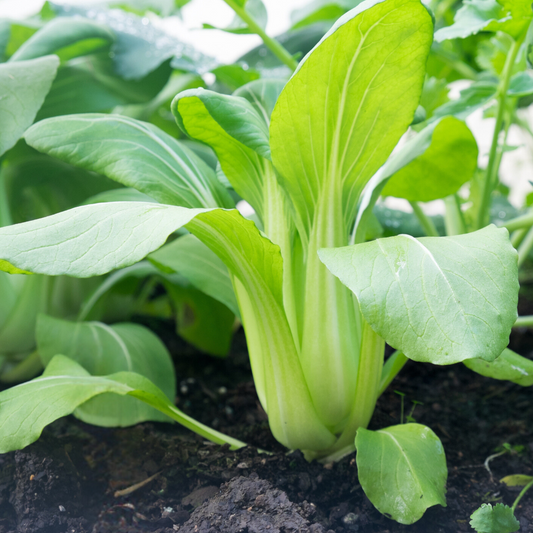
(317, 302)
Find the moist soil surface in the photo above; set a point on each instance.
(161, 478)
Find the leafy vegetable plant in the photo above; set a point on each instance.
(316, 301)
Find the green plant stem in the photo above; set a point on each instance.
(391, 369)
(525, 247)
(523, 321)
(427, 224)
(521, 222)
(5, 213)
(518, 236)
(274, 46)
(492, 167)
(522, 492)
(27, 369)
(453, 217)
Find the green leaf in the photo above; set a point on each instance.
(38, 185)
(91, 240)
(28, 408)
(20, 32)
(24, 87)
(517, 480)
(262, 94)
(321, 10)
(90, 85)
(367, 48)
(5, 34)
(402, 470)
(8, 289)
(497, 519)
(236, 132)
(101, 349)
(68, 37)
(521, 85)
(235, 76)
(487, 15)
(435, 174)
(125, 194)
(17, 333)
(472, 17)
(233, 115)
(436, 299)
(470, 99)
(134, 153)
(201, 320)
(509, 366)
(140, 46)
(202, 267)
(255, 8)
(409, 152)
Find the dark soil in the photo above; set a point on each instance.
(80, 479)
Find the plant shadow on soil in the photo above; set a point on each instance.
(68, 480)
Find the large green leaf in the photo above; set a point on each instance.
(24, 87)
(101, 349)
(90, 85)
(402, 470)
(508, 366)
(324, 139)
(436, 299)
(28, 408)
(140, 46)
(68, 37)
(202, 267)
(414, 148)
(91, 240)
(320, 10)
(435, 174)
(134, 153)
(236, 132)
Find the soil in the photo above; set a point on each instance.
(161, 478)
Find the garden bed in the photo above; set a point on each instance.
(68, 480)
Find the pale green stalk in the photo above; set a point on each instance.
(524, 321)
(369, 370)
(525, 247)
(492, 167)
(427, 224)
(331, 337)
(453, 217)
(391, 369)
(5, 212)
(521, 222)
(274, 46)
(27, 369)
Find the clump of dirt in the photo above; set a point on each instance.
(253, 505)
